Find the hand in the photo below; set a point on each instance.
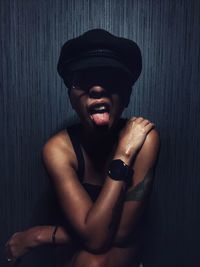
(132, 137)
(19, 244)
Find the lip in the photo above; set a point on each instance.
(99, 103)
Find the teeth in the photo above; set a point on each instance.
(100, 108)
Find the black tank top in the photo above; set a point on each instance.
(73, 132)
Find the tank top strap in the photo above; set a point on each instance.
(73, 131)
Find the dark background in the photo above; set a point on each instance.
(34, 105)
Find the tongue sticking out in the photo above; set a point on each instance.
(101, 118)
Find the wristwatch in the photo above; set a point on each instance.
(119, 171)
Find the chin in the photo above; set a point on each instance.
(100, 129)
(105, 128)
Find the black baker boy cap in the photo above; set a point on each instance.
(99, 48)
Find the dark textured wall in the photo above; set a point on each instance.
(34, 105)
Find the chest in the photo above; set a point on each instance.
(96, 166)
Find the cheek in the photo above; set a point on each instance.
(75, 98)
(78, 104)
(74, 103)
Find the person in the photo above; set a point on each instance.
(103, 167)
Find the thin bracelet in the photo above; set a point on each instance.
(54, 235)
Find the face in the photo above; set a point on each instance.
(97, 95)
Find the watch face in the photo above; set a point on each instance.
(118, 170)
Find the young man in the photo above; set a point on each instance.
(103, 167)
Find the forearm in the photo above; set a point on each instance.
(41, 235)
(22, 242)
(94, 223)
(103, 217)
(135, 197)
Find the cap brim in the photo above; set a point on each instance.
(95, 62)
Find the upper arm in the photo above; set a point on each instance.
(145, 162)
(60, 162)
(144, 166)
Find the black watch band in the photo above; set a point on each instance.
(119, 171)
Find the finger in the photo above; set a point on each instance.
(9, 255)
(13, 261)
(133, 118)
(145, 122)
(8, 252)
(139, 119)
(10, 260)
(6, 244)
(149, 127)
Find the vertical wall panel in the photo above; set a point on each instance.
(34, 105)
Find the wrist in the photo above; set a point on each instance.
(41, 235)
(54, 235)
(118, 170)
(125, 157)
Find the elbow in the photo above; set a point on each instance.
(98, 246)
(96, 241)
(96, 249)
(123, 237)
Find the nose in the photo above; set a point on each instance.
(97, 92)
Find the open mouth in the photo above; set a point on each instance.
(100, 113)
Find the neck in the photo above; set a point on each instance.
(97, 138)
(99, 141)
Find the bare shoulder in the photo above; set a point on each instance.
(58, 149)
(153, 138)
(57, 144)
(148, 154)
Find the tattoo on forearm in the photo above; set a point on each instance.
(116, 212)
(141, 190)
